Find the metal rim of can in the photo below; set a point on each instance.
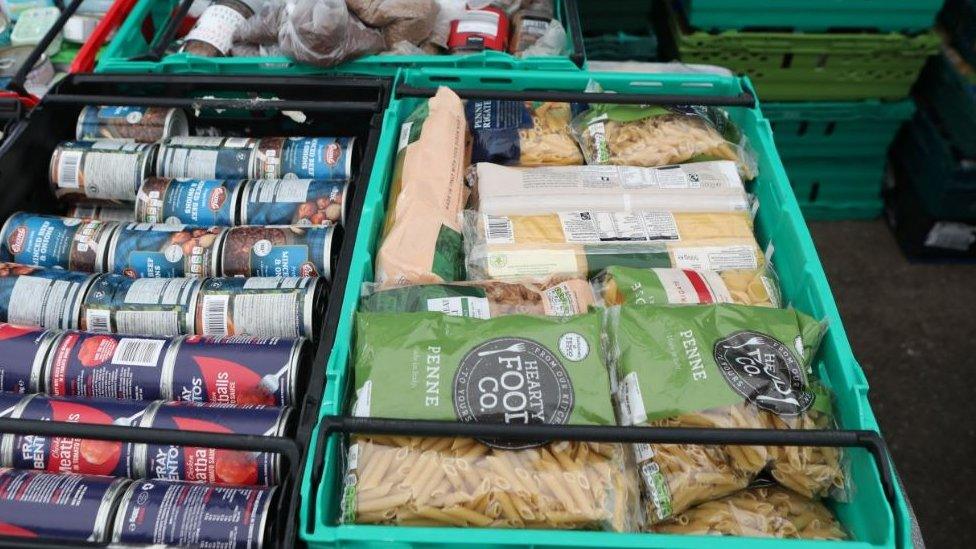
(284, 416)
(176, 123)
(40, 368)
(140, 451)
(168, 369)
(55, 159)
(271, 491)
(327, 256)
(295, 364)
(75, 320)
(345, 198)
(254, 165)
(105, 256)
(215, 252)
(122, 509)
(108, 511)
(7, 442)
(79, 125)
(235, 201)
(149, 153)
(308, 308)
(139, 209)
(191, 310)
(350, 147)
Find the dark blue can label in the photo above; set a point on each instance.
(23, 351)
(145, 306)
(52, 241)
(205, 157)
(167, 513)
(278, 251)
(57, 507)
(190, 201)
(35, 296)
(293, 202)
(211, 465)
(327, 158)
(146, 250)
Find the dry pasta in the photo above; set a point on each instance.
(620, 285)
(523, 133)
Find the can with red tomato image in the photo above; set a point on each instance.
(144, 306)
(148, 250)
(329, 158)
(56, 454)
(236, 370)
(222, 516)
(190, 201)
(36, 296)
(212, 465)
(23, 354)
(261, 306)
(68, 508)
(294, 202)
(54, 241)
(281, 251)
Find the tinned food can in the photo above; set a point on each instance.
(212, 465)
(145, 306)
(210, 516)
(103, 169)
(330, 158)
(57, 507)
(205, 157)
(23, 353)
(281, 251)
(131, 123)
(149, 250)
(261, 306)
(57, 454)
(294, 202)
(38, 296)
(53, 241)
(190, 201)
(101, 213)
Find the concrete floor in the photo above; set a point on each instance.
(913, 329)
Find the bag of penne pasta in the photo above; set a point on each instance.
(482, 299)
(523, 133)
(654, 135)
(618, 285)
(724, 366)
(582, 243)
(515, 370)
(764, 512)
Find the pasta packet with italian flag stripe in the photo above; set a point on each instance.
(619, 285)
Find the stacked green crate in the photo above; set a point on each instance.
(618, 30)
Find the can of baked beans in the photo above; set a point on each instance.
(261, 306)
(221, 516)
(205, 157)
(283, 250)
(23, 354)
(190, 201)
(130, 123)
(330, 158)
(53, 241)
(102, 169)
(148, 250)
(212, 465)
(100, 212)
(56, 454)
(145, 306)
(57, 507)
(294, 202)
(38, 296)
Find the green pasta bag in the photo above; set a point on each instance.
(727, 366)
(514, 369)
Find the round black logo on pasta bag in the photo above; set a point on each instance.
(515, 381)
(764, 371)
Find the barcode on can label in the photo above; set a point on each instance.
(498, 230)
(138, 352)
(68, 166)
(98, 320)
(215, 314)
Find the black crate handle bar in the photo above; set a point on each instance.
(17, 82)
(253, 104)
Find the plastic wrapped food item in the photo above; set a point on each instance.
(525, 133)
(583, 243)
(701, 187)
(728, 366)
(626, 285)
(400, 20)
(484, 300)
(527, 28)
(650, 135)
(512, 369)
(552, 42)
(422, 237)
(758, 512)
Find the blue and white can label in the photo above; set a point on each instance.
(280, 251)
(130, 123)
(147, 250)
(205, 157)
(53, 241)
(329, 158)
(35, 296)
(190, 201)
(145, 306)
(294, 202)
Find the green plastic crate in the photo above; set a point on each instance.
(129, 44)
(621, 47)
(610, 16)
(779, 223)
(953, 96)
(813, 15)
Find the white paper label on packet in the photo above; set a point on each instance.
(499, 230)
(464, 306)
(685, 287)
(595, 227)
(517, 264)
(364, 397)
(643, 452)
(674, 177)
(216, 27)
(404, 136)
(715, 258)
(632, 410)
(352, 461)
(951, 235)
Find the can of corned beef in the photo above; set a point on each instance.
(144, 306)
(212, 465)
(56, 454)
(191, 201)
(102, 169)
(294, 202)
(205, 157)
(331, 158)
(261, 306)
(54, 241)
(56, 507)
(148, 250)
(221, 516)
(23, 354)
(130, 123)
(281, 251)
(101, 213)
(36, 296)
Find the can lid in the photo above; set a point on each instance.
(79, 127)
(308, 309)
(346, 190)
(331, 252)
(41, 369)
(296, 361)
(191, 310)
(7, 440)
(108, 510)
(106, 247)
(121, 510)
(350, 150)
(215, 252)
(75, 320)
(176, 123)
(169, 368)
(235, 199)
(265, 511)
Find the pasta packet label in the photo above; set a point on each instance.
(716, 258)
(562, 300)
(666, 286)
(594, 227)
(655, 486)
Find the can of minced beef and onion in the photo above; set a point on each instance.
(261, 306)
(281, 251)
(191, 201)
(148, 250)
(54, 241)
(205, 157)
(130, 123)
(100, 212)
(212, 465)
(57, 454)
(38, 296)
(23, 354)
(145, 306)
(331, 158)
(222, 516)
(57, 507)
(294, 202)
(103, 169)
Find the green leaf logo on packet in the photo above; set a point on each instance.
(763, 371)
